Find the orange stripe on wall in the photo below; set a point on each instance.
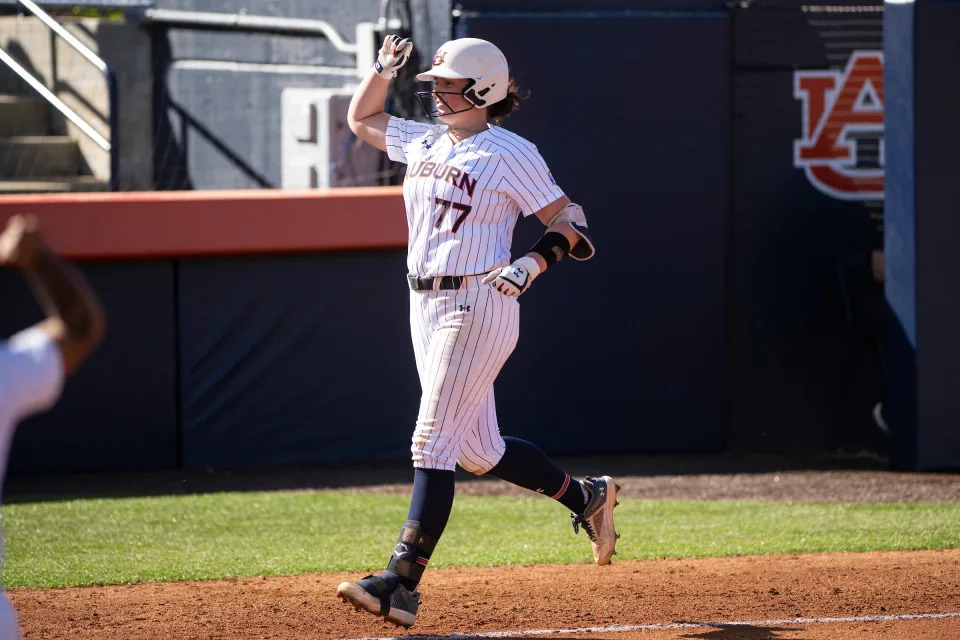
(205, 223)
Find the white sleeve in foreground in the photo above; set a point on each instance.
(527, 180)
(8, 620)
(400, 133)
(31, 373)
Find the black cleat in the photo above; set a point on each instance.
(372, 594)
(597, 517)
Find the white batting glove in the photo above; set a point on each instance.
(392, 55)
(513, 279)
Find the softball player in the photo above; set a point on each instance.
(34, 362)
(467, 182)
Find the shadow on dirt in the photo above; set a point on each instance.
(743, 632)
(714, 632)
(468, 636)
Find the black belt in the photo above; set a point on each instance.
(435, 284)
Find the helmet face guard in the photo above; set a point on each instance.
(428, 100)
(480, 63)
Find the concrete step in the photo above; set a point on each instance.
(10, 82)
(23, 116)
(37, 156)
(61, 184)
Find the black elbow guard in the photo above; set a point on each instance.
(552, 247)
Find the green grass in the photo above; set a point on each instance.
(106, 541)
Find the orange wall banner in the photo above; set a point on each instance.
(164, 224)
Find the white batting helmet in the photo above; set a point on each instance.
(476, 60)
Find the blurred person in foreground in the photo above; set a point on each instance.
(35, 361)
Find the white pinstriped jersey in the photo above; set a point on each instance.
(31, 376)
(464, 199)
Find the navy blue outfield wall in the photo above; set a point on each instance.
(710, 317)
(119, 410)
(922, 233)
(724, 260)
(802, 374)
(232, 362)
(249, 361)
(646, 315)
(298, 357)
(258, 360)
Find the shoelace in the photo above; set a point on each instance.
(580, 521)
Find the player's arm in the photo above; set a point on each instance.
(365, 114)
(566, 234)
(75, 318)
(546, 216)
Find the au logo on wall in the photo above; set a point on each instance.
(841, 150)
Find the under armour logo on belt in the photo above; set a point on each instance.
(464, 307)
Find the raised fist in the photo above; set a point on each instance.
(392, 55)
(20, 242)
(513, 279)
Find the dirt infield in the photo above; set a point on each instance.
(835, 596)
(468, 601)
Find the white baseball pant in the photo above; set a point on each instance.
(461, 340)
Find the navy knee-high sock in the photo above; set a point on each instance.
(432, 500)
(430, 506)
(526, 465)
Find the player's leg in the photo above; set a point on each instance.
(477, 332)
(420, 331)
(526, 465)
(469, 336)
(431, 499)
(483, 447)
(517, 461)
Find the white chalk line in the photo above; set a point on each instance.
(673, 625)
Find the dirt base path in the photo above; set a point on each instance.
(764, 590)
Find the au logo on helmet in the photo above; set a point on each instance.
(839, 109)
(439, 58)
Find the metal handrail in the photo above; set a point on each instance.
(111, 145)
(244, 22)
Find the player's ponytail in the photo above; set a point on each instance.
(500, 110)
